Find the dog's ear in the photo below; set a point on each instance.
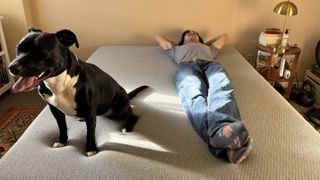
(67, 38)
(32, 29)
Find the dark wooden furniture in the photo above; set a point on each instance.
(271, 72)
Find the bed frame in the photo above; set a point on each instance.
(163, 144)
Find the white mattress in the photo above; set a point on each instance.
(163, 144)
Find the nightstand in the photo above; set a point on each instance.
(268, 66)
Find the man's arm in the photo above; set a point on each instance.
(219, 41)
(163, 42)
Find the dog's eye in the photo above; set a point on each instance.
(21, 48)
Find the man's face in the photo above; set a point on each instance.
(191, 36)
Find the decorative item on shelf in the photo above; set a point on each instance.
(281, 66)
(284, 39)
(287, 74)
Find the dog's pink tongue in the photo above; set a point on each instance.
(23, 83)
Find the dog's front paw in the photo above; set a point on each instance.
(58, 145)
(91, 153)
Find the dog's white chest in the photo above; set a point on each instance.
(63, 90)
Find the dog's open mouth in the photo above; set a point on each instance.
(27, 83)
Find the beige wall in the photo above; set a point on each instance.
(103, 22)
(14, 23)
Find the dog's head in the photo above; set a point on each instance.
(40, 55)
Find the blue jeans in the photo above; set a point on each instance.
(207, 96)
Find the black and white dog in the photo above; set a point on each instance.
(70, 86)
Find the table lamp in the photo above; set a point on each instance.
(286, 8)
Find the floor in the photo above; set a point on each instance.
(298, 107)
(315, 122)
(25, 99)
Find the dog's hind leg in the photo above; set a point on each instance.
(121, 109)
(125, 113)
(61, 120)
(131, 119)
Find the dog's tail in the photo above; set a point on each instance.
(133, 93)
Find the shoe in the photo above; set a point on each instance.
(236, 156)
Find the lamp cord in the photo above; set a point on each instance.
(297, 80)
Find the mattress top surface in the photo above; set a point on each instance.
(163, 144)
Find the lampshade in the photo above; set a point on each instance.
(286, 8)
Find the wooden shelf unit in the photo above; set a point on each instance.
(271, 74)
(4, 58)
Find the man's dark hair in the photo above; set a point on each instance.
(184, 34)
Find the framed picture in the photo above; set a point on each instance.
(263, 59)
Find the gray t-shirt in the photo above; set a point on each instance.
(192, 52)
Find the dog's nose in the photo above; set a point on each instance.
(14, 68)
